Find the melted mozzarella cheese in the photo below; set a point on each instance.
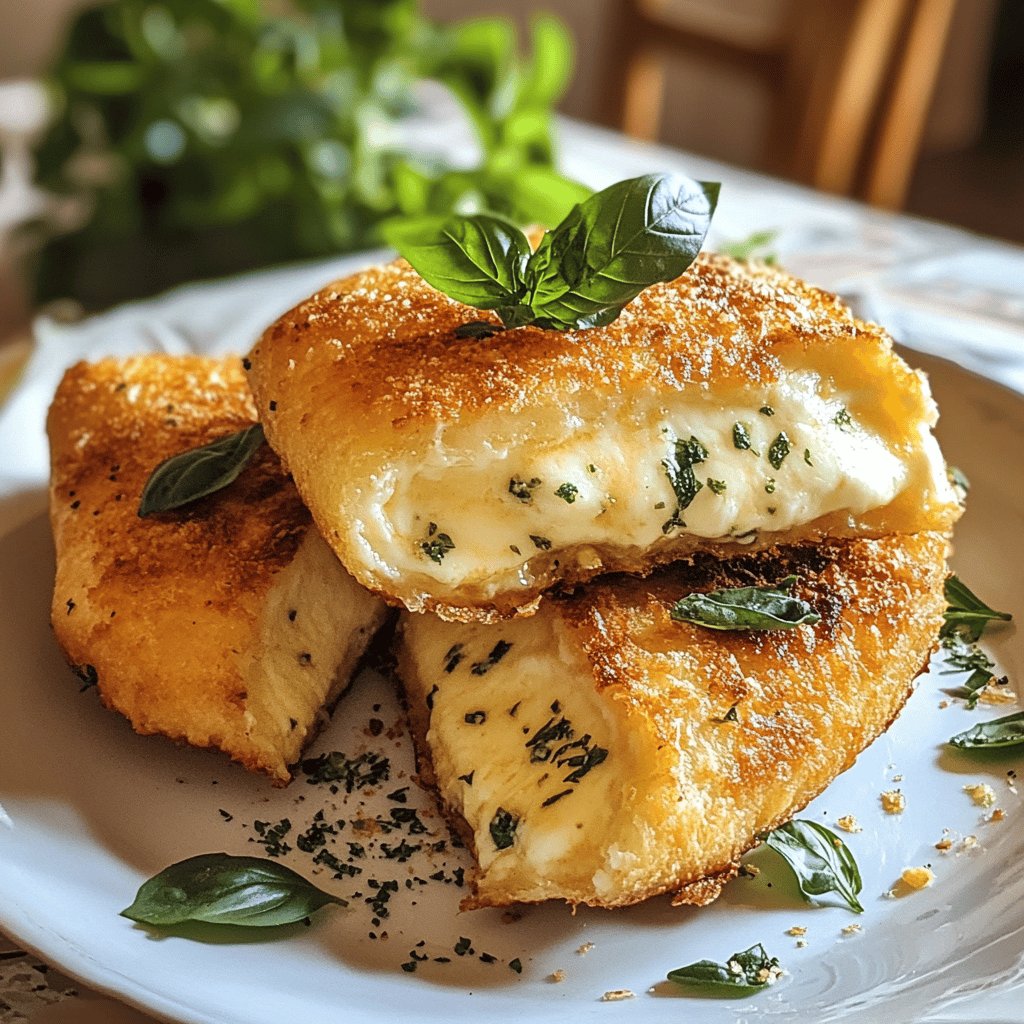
(316, 624)
(526, 750)
(484, 500)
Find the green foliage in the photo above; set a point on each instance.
(212, 136)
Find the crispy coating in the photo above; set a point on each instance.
(712, 737)
(366, 378)
(167, 615)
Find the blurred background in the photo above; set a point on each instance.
(147, 142)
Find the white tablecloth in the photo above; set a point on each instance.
(938, 289)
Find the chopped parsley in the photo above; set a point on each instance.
(368, 769)
(437, 545)
(568, 493)
(475, 717)
(740, 436)
(778, 450)
(503, 828)
(842, 418)
(523, 489)
(685, 485)
(498, 651)
(716, 486)
(453, 657)
(769, 487)
(541, 543)
(807, 456)
(766, 410)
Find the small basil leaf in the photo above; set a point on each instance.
(755, 246)
(221, 889)
(193, 474)
(751, 970)
(477, 260)
(1000, 732)
(616, 243)
(769, 607)
(967, 615)
(821, 861)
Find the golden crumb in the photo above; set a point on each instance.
(981, 793)
(585, 948)
(993, 693)
(750, 870)
(852, 929)
(998, 814)
(557, 976)
(968, 842)
(918, 878)
(797, 929)
(893, 801)
(897, 778)
(616, 995)
(945, 843)
(848, 823)
(943, 704)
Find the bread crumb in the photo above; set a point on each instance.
(852, 929)
(557, 976)
(616, 995)
(918, 878)
(848, 823)
(893, 801)
(998, 814)
(797, 929)
(897, 778)
(585, 948)
(968, 842)
(944, 844)
(994, 694)
(943, 704)
(981, 793)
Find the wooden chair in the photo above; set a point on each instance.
(851, 82)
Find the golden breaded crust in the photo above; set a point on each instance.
(367, 374)
(166, 614)
(685, 789)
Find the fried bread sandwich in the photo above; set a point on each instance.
(466, 472)
(602, 752)
(227, 624)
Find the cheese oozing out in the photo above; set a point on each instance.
(475, 503)
(538, 779)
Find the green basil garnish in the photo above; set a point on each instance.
(1000, 732)
(967, 615)
(193, 474)
(821, 861)
(221, 889)
(769, 607)
(756, 246)
(742, 974)
(503, 828)
(599, 258)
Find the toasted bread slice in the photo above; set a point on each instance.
(601, 753)
(228, 623)
(734, 406)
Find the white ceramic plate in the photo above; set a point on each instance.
(88, 810)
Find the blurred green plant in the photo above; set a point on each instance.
(204, 137)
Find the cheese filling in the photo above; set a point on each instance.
(524, 748)
(478, 502)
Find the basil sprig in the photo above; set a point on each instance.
(820, 860)
(769, 607)
(967, 615)
(222, 889)
(1000, 732)
(193, 474)
(607, 250)
(742, 974)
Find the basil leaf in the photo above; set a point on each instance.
(751, 970)
(756, 246)
(1000, 732)
(195, 473)
(221, 889)
(478, 260)
(769, 607)
(967, 615)
(616, 243)
(821, 861)
(962, 656)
